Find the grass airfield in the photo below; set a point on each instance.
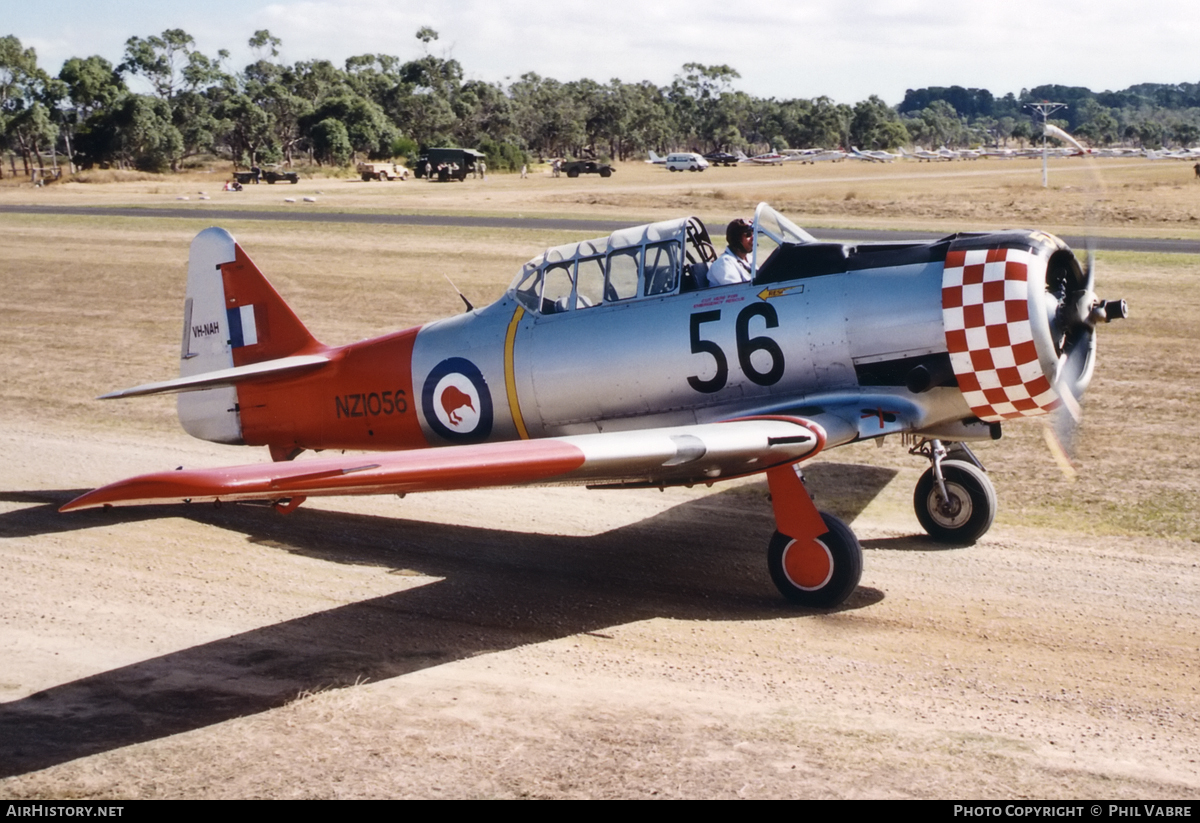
(565, 643)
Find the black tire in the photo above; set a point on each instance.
(841, 551)
(606, 172)
(572, 173)
(970, 510)
(367, 178)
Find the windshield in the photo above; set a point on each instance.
(771, 230)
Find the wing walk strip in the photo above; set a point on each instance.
(669, 456)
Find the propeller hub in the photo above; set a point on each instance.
(1113, 310)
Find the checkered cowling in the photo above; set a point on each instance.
(985, 310)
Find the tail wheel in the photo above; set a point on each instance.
(818, 573)
(968, 509)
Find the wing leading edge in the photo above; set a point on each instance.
(668, 456)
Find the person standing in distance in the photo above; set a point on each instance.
(734, 265)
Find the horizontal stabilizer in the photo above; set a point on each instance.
(224, 377)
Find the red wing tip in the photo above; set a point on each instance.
(83, 501)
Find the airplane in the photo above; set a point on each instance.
(923, 155)
(771, 158)
(812, 156)
(655, 160)
(872, 156)
(723, 158)
(607, 364)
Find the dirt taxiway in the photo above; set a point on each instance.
(560, 642)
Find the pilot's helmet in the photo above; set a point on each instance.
(737, 229)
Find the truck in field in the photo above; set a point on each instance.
(443, 164)
(271, 174)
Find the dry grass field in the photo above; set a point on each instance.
(1117, 197)
(566, 643)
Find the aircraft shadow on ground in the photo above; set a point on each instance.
(703, 559)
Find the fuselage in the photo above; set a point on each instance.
(614, 335)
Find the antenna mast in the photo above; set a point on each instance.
(1045, 109)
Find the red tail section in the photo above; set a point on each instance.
(262, 325)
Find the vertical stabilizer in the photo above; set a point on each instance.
(232, 317)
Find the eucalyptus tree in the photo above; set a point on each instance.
(25, 122)
(187, 80)
(876, 125)
(548, 119)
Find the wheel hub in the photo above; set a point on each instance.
(952, 511)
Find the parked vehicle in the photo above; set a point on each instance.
(449, 163)
(686, 161)
(271, 175)
(574, 168)
(383, 171)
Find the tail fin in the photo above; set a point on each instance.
(232, 317)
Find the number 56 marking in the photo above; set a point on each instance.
(746, 346)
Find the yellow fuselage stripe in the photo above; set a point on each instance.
(510, 373)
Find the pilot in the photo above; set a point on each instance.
(734, 265)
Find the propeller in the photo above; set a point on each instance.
(1074, 310)
(1074, 315)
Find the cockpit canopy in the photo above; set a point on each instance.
(654, 260)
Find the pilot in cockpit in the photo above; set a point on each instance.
(734, 265)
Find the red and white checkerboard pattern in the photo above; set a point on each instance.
(985, 309)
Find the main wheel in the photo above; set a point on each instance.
(573, 173)
(820, 573)
(606, 172)
(967, 514)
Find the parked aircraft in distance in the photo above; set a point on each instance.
(771, 158)
(606, 364)
(873, 156)
(923, 155)
(813, 156)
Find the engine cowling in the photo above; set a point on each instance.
(1020, 319)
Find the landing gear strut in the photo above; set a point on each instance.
(954, 500)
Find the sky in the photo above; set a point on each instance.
(782, 49)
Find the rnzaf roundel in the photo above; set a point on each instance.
(456, 401)
(985, 309)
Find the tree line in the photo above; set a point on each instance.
(380, 106)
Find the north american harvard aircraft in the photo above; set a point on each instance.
(608, 363)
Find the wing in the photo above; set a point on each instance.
(667, 456)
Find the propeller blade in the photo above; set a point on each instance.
(1058, 449)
